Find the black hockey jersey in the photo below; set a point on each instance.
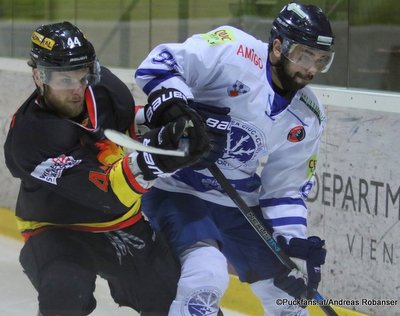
(70, 174)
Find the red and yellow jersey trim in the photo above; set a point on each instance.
(31, 228)
(123, 183)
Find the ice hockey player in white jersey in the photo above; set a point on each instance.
(256, 103)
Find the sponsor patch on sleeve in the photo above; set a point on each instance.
(51, 169)
(312, 164)
(219, 37)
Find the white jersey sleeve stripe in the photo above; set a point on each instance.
(283, 221)
(281, 201)
(158, 75)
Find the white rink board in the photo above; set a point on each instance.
(357, 195)
(356, 199)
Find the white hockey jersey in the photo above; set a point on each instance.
(229, 68)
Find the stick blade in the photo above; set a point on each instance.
(125, 141)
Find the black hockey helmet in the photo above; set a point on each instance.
(299, 26)
(303, 24)
(62, 47)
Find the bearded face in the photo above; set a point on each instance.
(291, 76)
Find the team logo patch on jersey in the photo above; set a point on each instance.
(244, 142)
(51, 169)
(202, 302)
(237, 89)
(296, 134)
(219, 37)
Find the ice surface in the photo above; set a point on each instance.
(18, 297)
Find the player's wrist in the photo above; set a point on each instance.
(141, 176)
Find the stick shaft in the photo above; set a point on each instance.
(260, 228)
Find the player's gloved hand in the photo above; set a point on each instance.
(167, 105)
(167, 137)
(218, 125)
(302, 283)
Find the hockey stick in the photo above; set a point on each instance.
(125, 141)
(262, 231)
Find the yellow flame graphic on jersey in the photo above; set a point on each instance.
(109, 152)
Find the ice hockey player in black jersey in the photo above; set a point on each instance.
(79, 205)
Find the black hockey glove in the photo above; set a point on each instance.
(302, 283)
(218, 125)
(167, 137)
(167, 105)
